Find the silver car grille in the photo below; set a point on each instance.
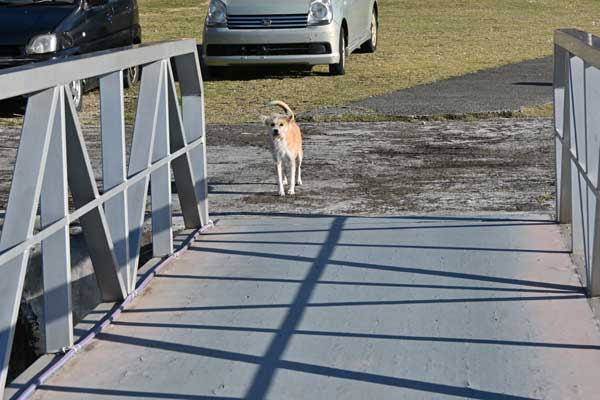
(289, 21)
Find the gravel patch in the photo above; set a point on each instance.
(372, 168)
(390, 168)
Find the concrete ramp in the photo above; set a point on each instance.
(290, 307)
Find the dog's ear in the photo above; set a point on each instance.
(290, 118)
(265, 119)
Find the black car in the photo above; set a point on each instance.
(35, 30)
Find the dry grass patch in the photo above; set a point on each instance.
(421, 42)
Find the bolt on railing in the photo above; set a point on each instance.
(577, 137)
(52, 159)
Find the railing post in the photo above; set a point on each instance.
(114, 166)
(577, 152)
(190, 80)
(162, 231)
(593, 127)
(563, 136)
(56, 250)
(141, 157)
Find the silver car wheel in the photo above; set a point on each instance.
(340, 67)
(132, 74)
(374, 30)
(343, 54)
(77, 93)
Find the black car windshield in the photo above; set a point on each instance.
(34, 2)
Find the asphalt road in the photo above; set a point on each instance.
(506, 88)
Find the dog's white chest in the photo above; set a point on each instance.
(280, 149)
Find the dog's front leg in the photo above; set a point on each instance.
(280, 177)
(292, 188)
(300, 169)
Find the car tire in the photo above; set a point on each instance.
(131, 76)
(370, 46)
(76, 88)
(340, 67)
(214, 73)
(209, 73)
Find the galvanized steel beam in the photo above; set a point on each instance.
(183, 170)
(190, 79)
(28, 79)
(56, 249)
(160, 180)
(21, 211)
(114, 167)
(141, 156)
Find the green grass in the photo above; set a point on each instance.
(420, 42)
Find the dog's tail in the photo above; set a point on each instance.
(281, 104)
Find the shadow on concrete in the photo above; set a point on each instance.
(396, 246)
(371, 284)
(273, 358)
(112, 393)
(364, 335)
(271, 361)
(406, 218)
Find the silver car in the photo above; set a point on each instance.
(308, 32)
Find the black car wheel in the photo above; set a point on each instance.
(370, 46)
(340, 67)
(131, 76)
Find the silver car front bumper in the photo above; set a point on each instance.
(325, 34)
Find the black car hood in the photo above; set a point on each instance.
(19, 24)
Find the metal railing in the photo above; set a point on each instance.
(52, 159)
(577, 136)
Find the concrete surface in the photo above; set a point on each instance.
(506, 88)
(326, 307)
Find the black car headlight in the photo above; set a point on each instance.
(217, 14)
(42, 44)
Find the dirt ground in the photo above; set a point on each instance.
(373, 168)
(390, 168)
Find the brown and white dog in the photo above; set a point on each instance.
(286, 143)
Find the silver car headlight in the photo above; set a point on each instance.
(320, 12)
(217, 13)
(42, 44)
